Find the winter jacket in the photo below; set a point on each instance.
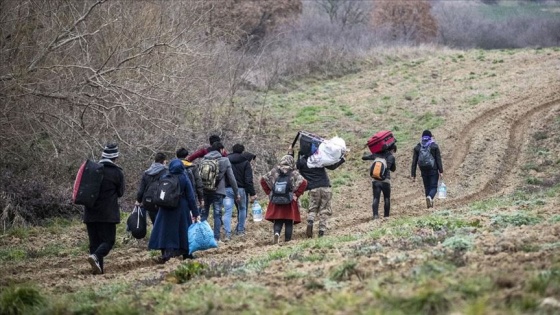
(389, 157)
(201, 153)
(225, 172)
(194, 176)
(243, 173)
(316, 176)
(434, 150)
(288, 211)
(106, 208)
(171, 225)
(152, 174)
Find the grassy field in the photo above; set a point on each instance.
(493, 247)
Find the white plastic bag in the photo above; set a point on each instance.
(329, 153)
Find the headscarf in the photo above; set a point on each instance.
(426, 141)
(176, 167)
(287, 164)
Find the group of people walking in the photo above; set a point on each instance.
(222, 180)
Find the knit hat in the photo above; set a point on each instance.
(111, 151)
(427, 133)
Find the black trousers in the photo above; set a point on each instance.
(101, 239)
(379, 187)
(430, 184)
(289, 228)
(152, 215)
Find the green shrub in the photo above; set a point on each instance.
(516, 219)
(545, 280)
(187, 271)
(345, 271)
(12, 254)
(428, 299)
(20, 300)
(458, 243)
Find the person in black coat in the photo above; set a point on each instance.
(101, 220)
(170, 232)
(319, 192)
(151, 175)
(193, 173)
(384, 186)
(243, 173)
(430, 173)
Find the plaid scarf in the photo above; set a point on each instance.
(287, 164)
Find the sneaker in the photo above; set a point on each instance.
(375, 217)
(429, 202)
(227, 238)
(95, 266)
(309, 231)
(276, 238)
(321, 233)
(160, 260)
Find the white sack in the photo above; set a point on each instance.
(329, 153)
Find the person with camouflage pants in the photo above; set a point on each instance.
(320, 193)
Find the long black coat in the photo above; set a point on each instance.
(106, 208)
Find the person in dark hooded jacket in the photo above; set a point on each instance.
(151, 175)
(243, 174)
(384, 186)
(170, 229)
(430, 174)
(193, 173)
(101, 220)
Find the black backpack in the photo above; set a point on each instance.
(150, 192)
(426, 160)
(168, 192)
(282, 190)
(136, 223)
(87, 184)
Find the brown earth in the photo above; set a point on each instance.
(484, 146)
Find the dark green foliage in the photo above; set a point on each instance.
(187, 271)
(20, 300)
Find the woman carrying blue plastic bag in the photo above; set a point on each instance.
(170, 228)
(201, 237)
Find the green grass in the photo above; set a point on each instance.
(506, 10)
(12, 254)
(516, 219)
(22, 299)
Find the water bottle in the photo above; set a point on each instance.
(257, 212)
(442, 190)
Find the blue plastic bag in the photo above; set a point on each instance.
(201, 237)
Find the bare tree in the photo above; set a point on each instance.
(346, 12)
(406, 20)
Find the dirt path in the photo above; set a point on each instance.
(483, 152)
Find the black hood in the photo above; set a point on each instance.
(249, 156)
(236, 158)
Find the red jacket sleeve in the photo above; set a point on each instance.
(301, 188)
(197, 154)
(265, 187)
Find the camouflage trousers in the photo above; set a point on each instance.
(320, 204)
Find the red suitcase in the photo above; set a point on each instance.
(381, 141)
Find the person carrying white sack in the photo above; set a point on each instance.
(330, 152)
(318, 183)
